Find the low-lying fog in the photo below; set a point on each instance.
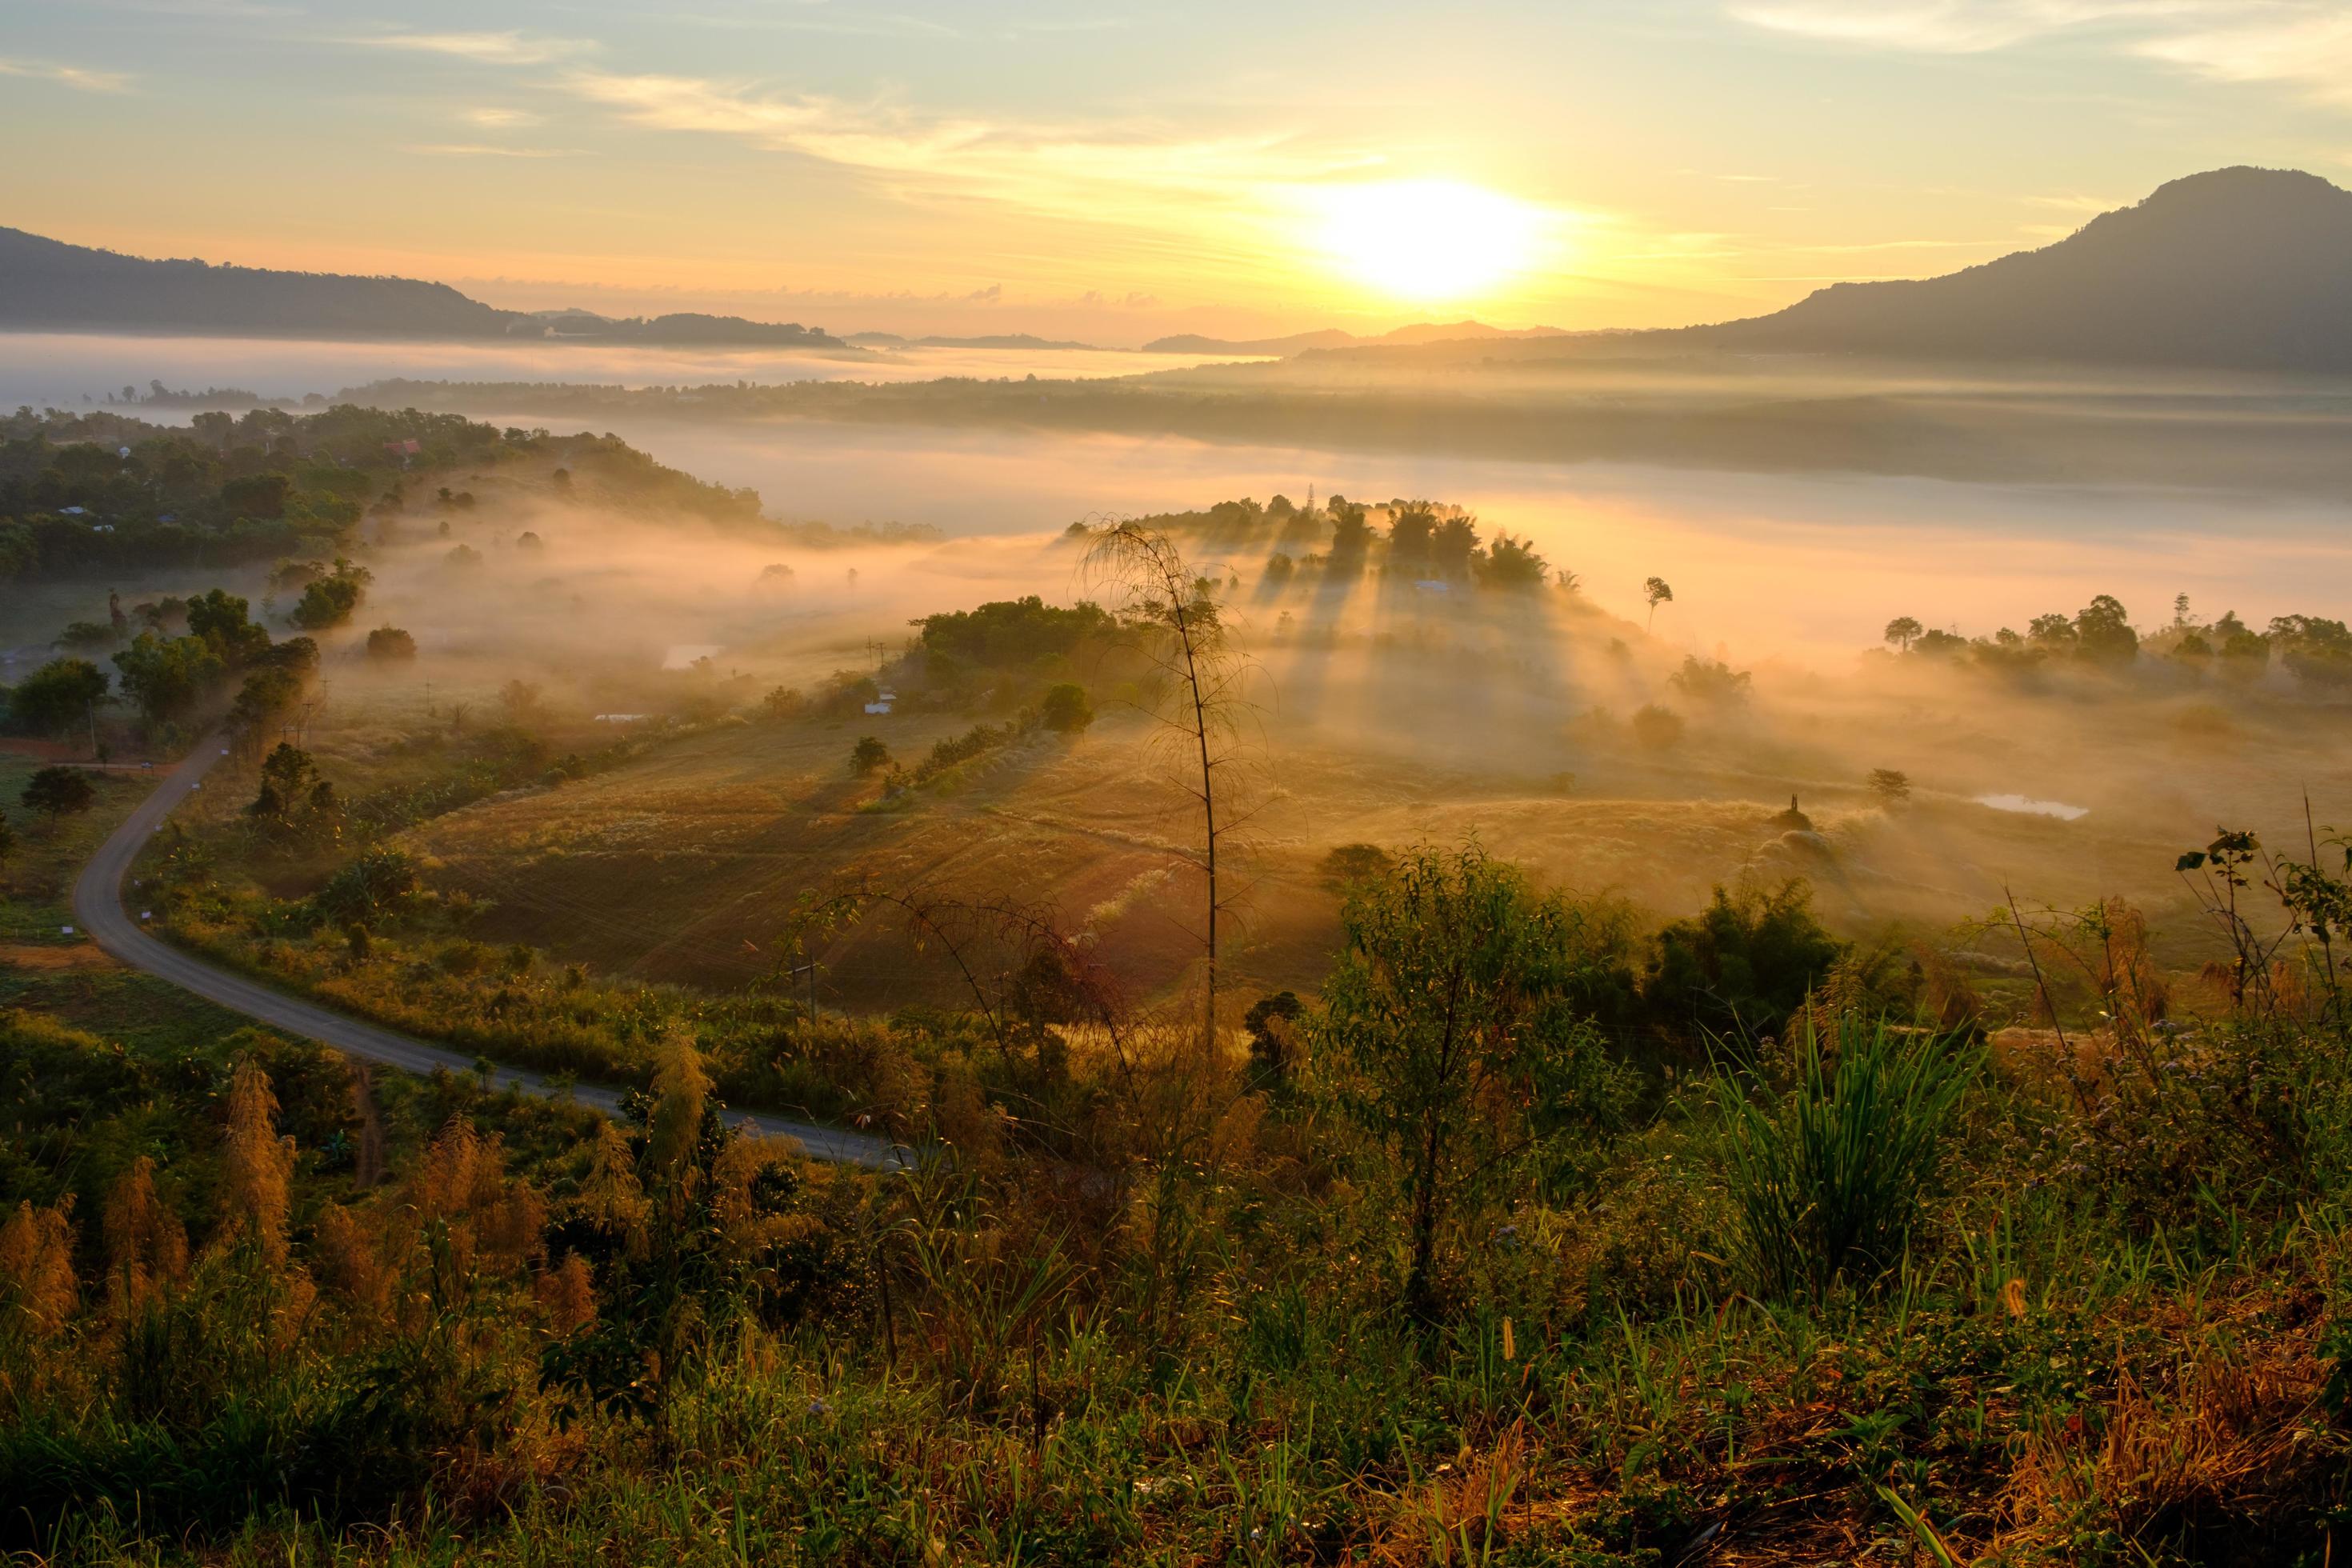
(1807, 567)
(60, 369)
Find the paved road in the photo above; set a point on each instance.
(97, 906)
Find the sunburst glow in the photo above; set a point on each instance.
(1428, 241)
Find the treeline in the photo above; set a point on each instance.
(94, 492)
(1421, 540)
(2313, 650)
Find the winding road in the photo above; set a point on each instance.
(97, 906)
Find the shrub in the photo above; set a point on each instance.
(1828, 1179)
(58, 792)
(1742, 967)
(1065, 709)
(1657, 729)
(390, 644)
(868, 754)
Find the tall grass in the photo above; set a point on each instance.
(1828, 1178)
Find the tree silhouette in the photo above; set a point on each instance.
(1657, 593)
(1903, 631)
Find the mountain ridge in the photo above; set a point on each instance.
(50, 285)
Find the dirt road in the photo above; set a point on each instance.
(98, 908)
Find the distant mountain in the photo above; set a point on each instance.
(1333, 337)
(2240, 268)
(47, 284)
(1029, 341)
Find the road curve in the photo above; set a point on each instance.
(97, 906)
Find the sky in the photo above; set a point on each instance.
(1112, 171)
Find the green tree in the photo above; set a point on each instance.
(1065, 709)
(165, 675)
(1455, 1030)
(1742, 967)
(2102, 632)
(56, 696)
(390, 645)
(868, 754)
(57, 791)
(330, 601)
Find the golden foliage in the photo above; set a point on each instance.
(146, 1247)
(347, 1255)
(36, 1276)
(567, 1293)
(681, 1087)
(462, 1182)
(257, 1165)
(612, 1195)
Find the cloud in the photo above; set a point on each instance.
(2307, 44)
(67, 76)
(1951, 26)
(496, 118)
(2311, 51)
(507, 48)
(1106, 172)
(482, 150)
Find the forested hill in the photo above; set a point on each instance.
(48, 285)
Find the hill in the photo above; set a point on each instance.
(2238, 268)
(47, 284)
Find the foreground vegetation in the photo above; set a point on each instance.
(1429, 1269)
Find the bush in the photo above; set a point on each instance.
(390, 644)
(1657, 729)
(58, 792)
(1065, 709)
(868, 754)
(1741, 968)
(1828, 1179)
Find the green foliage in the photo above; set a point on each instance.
(376, 884)
(390, 644)
(1452, 1031)
(1010, 633)
(1065, 709)
(58, 792)
(868, 755)
(56, 696)
(1828, 1179)
(328, 601)
(294, 800)
(1743, 967)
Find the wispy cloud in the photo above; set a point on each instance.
(1954, 26)
(66, 76)
(498, 117)
(2305, 44)
(1089, 172)
(511, 47)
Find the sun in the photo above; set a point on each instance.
(1427, 240)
